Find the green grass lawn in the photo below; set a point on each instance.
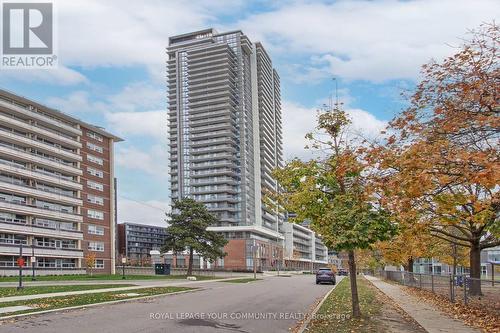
(34, 290)
(243, 280)
(335, 313)
(103, 277)
(85, 299)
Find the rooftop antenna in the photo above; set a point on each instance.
(336, 92)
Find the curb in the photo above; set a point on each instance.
(96, 304)
(304, 325)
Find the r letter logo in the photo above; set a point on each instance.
(28, 35)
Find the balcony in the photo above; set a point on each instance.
(41, 251)
(24, 209)
(214, 172)
(40, 117)
(220, 189)
(212, 164)
(53, 135)
(50, 178)
(17, 138)
(34, 158)
(23, 189)
(214, 134)
(213, 180)
(27, 229)
(213, 157)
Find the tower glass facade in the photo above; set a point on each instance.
(225, 129)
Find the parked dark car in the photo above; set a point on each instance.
(342, 272)
(325, 275)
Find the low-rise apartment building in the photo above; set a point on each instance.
(490, 259)
(303, 249)
(135, 241)
(56, 190)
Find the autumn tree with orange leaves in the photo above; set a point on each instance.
(441, 159)
(330, 192)
(409, 244)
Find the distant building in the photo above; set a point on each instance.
(337, 259)
(136, 240)
(434, 266)
(303, 249)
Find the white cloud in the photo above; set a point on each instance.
(116, 33)
(62, 76)
(152, 161)
(361, 39)
(147, 123)
(138, 96)
(77, 103)
(147, 212)
(297, 122)
(370, 40)
(364, 124)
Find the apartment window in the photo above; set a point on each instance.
(95, 186)
(95, 214)
(95, 159)
(94, 136)
(96, 246)
(95, 172)
(96, 230)
(95, 199)
(99, 264)
(94, 147)
(59, 263)
(12, 239)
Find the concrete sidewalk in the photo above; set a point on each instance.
(182, 283)
(427, 315)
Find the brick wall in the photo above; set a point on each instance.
(108, 222)
(236, 254)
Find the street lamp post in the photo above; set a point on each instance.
(20, 263)
(33, 261)
(278, 253)
(254, 252)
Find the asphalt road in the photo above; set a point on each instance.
(274, 304)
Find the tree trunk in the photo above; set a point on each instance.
(475, 269)
(190, 266)
(356, 313)
(410, 264)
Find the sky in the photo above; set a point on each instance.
(112, 71)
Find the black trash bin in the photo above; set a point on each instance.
(167, 269)
(159, 269)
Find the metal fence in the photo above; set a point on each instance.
(459, 288)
